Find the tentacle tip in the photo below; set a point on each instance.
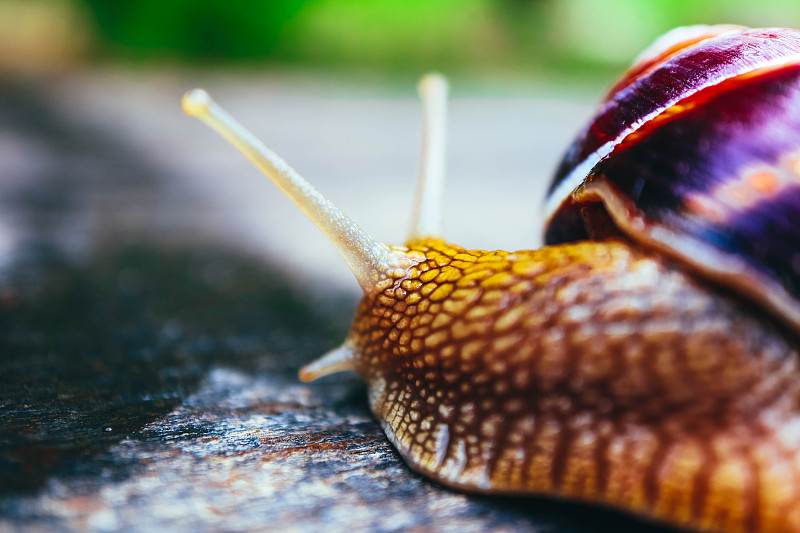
(308, 374)
(432, 82)
(337, 360)
(196, 102)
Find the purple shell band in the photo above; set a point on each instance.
(670, 44)
(696, 68)
(718, 176)
(698, 161)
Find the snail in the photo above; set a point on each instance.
(644, 359)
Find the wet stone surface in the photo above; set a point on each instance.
(147, 386)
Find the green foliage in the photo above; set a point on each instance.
(420, 31)
(415, 33)
(206, 28)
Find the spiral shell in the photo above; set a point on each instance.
(696, 152)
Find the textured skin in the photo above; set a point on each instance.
(591, 371)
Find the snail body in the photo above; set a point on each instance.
(595, 371)
(647, 358)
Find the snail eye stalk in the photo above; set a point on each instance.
(368, 258)
(427, 218)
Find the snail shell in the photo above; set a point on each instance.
(696, 152)
(648, 361)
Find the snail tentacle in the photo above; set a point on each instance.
(427, 216)
(370, 260)
(337, 360)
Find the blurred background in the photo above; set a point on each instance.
(510, 36)
(157, 295)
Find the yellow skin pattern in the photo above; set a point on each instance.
(592, 371)
(595, 371)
